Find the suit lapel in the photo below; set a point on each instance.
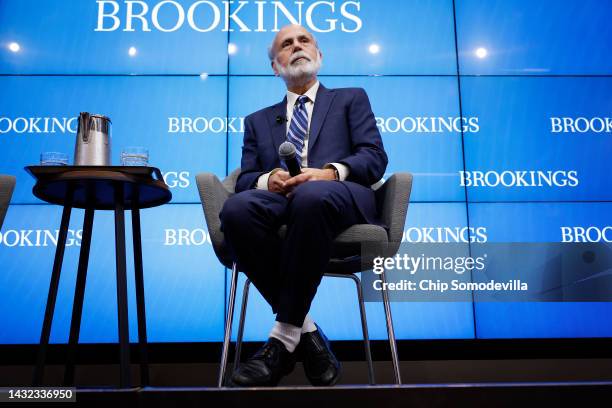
(278, 128)
(278, 131)
(321, 107)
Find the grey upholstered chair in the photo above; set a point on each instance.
(392, 198)
(7, 185)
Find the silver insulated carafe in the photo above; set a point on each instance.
(93, 144)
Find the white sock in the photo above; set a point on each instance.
(309, 325)
(287, 333)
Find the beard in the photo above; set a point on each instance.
(299, 74)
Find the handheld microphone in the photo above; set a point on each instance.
(281, 119)
(288, 154)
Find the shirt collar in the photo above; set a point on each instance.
(310, 93)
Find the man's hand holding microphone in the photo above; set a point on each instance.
(283, 182)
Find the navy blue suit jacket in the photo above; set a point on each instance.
(342, 130)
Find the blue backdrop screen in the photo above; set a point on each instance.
(500, 110)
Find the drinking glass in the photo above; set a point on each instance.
(53, 159)
(135, 156)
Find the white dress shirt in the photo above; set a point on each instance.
(343, 170)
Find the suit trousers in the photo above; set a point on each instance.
(287, 272)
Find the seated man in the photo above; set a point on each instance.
(342, 155)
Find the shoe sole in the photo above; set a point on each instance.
(334, 382)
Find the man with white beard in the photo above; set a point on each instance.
(341, 154)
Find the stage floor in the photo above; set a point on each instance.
(543, 394)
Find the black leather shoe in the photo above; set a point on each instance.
(267, 366)
(320, 364)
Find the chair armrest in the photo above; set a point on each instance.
(392, 198)
(7, 185)
(213, 195)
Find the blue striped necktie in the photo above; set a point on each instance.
(299, 125)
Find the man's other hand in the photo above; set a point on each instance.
(309, 174)
(276, 182)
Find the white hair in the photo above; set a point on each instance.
(271, 53)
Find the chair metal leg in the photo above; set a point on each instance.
(243, 310)
(228, 325)
(390, 331)
(364, 329)
(364, 323)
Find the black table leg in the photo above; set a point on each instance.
(79, 294)
(52, 296)
(140, 296)
(122, 307)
